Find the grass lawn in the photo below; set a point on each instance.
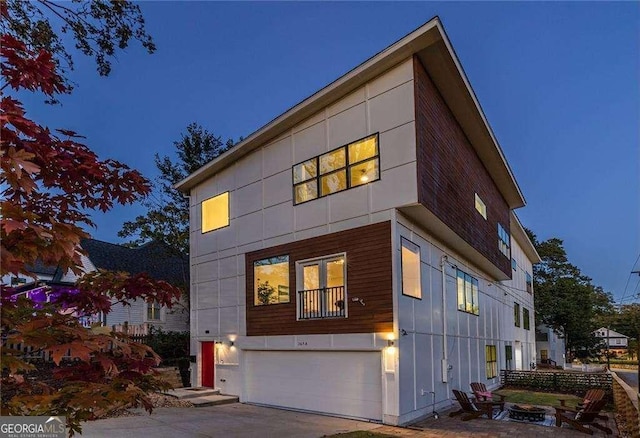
(522, 396)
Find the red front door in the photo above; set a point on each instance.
(207, 364)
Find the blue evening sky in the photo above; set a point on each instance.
(557, 81)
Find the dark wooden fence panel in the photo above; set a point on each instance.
(564, 382)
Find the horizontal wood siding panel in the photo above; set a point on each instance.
(450, 173)
(368, 252)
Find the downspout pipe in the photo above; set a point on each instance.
(445, 354)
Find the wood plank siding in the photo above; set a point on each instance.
(368, 258)
(450, 173)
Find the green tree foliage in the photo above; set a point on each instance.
(565, 298)
(167, 217)
(98, 27)
(627, 320)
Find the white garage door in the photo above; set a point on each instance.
(341, 383)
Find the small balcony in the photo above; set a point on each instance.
(327, 302)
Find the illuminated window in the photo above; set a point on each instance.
(348, 166)
(215, 212)
(154, 311)
(410, 255)
(504, 241)
(492, 361)
(271, 281)
(321, 287)
(516, 314)
(481, 207)
(468, 300)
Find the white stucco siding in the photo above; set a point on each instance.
(422, 348)
(261, 207)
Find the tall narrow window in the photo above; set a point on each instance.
(504, 241)
(481, 207)
(468, 300)
(491, 358)
(153, 311)
(321, 287)
(508, 355)
(529, 283)
(215, 212)
(410, 255)
(516, 314)
(526, 323)
(271, 281)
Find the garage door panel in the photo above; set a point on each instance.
(342, 383)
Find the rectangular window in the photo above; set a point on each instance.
(544, 355)
(504, 241)
(271, 281)
(508, 355)
(529, 283)
(468, 300)
(525, 319)
(514, 264)
(153, 311)
(410, 265)
(215, 212)
(481, 207)
(516, 314)
(491, 357)
(321, 287)
(345, 167)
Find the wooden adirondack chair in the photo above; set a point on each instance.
(591, 395)
(582, 419)
(481, 393)
(472, 409)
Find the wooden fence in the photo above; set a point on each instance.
(625, 399)
(564, 382)
(137, 333)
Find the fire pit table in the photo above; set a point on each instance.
(526, 413)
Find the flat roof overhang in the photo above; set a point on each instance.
(431, 45)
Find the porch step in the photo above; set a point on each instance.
(213, 400)
(192, 393)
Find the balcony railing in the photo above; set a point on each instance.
(327, 302)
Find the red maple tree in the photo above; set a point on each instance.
(50, 182)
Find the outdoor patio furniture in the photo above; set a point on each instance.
(482, 394)
(591, 395)
(582, 419)
(472, 409)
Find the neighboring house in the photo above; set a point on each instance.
(617, 343)
(157, 260)
(153, 258)
(354, 256)
(551, 347)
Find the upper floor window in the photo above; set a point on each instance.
(215, 212)
(468, 300)
(514, 264)
(529, 282)
(348, 166)
(526, 322)
(504, 244)
(516, 314)
(321, 287)
(481, 207)
(271, 281)
(154, 311)
(410, 265)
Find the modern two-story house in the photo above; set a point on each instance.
(359, 255)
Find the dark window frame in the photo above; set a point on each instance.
(254, 292)
(403, 239)
(516, 314)
(347, 167)
(491, 361)
(473, 281)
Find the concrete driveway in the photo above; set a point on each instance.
(236, 420)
